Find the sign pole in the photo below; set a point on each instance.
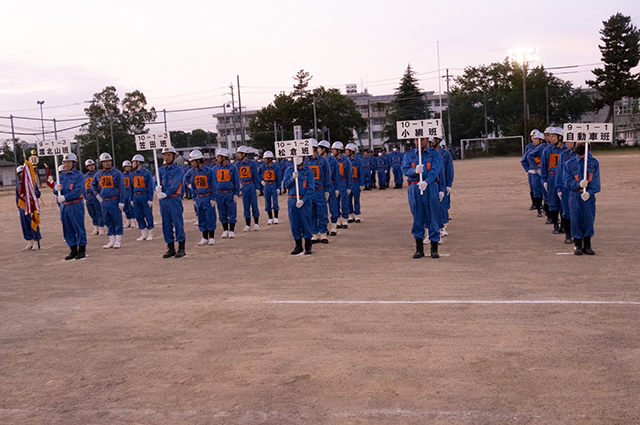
(297, 186)
(420, 160)
(586, 157)
(155, 161)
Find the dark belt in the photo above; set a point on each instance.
(321, 187)
(225, 191)
(111, 199)
(247, 182)
(72, 202)
(294, 196)
(206, 194)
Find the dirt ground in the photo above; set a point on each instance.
(125, 337)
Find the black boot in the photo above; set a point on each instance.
(434, 250)
(73, 253)
(180, 252)
(587, 247)
(562, 222)
(554, 220)
(298, 249)
(307, 247)
(567, 233)
(533, 201)
(538, 202)
(419, 248)
(81, 252)
(547, 213)
(578, 249)
(171, 250)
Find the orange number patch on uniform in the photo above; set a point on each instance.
(201, 182)
(223, 175)
(355, 172)
(106, 181)
(126, 182)
(87, 183)
(553, 160)
(341, 168)
(138, 181)
(245, 172)
(269, 175)
(537, 161)
(316, 171)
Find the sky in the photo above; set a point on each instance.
(186, 54)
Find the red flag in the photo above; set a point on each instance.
(28, 199)
(50, 181)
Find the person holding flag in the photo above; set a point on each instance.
(271, 174)
(169, 192)
(93, 205)
(69, 191)
(142, 203)
(300, 207)
(27, 194)
(108, 185)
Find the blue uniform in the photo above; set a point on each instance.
(228, 186)
(271, 175)
(204, 191)
(564, 157)
(334, 209)
(171, 207)
(109, 184)
(424, 207)
(93, 206)
(534, 161)
(284, 165)
(128, 194)
(382, 164)
(319, 166)
(583, 213)
(300, 218)
(142, 183)
(357, 176)
(447, 167)
(25, 219)
(548, 166)
(395, 159)
(525, 164)
(387, 174)
(367, 166)
(250, 180)
(72, 209)
(342, 183)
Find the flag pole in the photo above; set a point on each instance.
(297, 186)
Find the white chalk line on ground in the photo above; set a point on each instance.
(456, 302)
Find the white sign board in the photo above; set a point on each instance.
(151, 141)
(291, 148)
(297, 132)
(591, 132)
(54, 147)
(419, 128)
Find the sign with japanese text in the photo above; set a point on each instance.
(54, 147)
(291, 148)
(419, 128)
(150, 141)
(591, 132)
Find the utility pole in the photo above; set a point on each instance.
(113, 151)
(448, 76)
(315, 120)
(547, 102)
(226, 131)
(486, 131)
(369, 123)
(275, 131)
(233, 117)
(15, 151)
(41, 102)
(524, 97)
(240, 111)
(93, 102)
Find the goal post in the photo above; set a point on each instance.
(491, 146)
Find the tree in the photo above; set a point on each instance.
(409, 104)
(620, 54)
(108, 115)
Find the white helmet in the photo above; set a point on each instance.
(538, 135)
(138, 157)
(337, 145)
(127, 163)
(268, 154)
(243, 149)
(169, 149)
(19, 169)
(60, 168)
(89, 162)
(195, 155)
(324, 144)
(224, 152)
(314, 143)
(105, 157)
(352, 147)
(548, 130)
(534, 132)
(557, 130)
(72, 157)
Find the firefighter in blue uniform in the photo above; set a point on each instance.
(204, 194)
(93, 205)
(424, 206)
(319, 166)
(250, 181)
(142, 198)
(395, 159)
(127, 168)
(271, 174)
(382, 164)
(108, 185)
(69, 191)
(533, 161)
(366, 169)
(31, 236)
(300, 210)
(582, 205)
(332, 202)
(228, 186)
(169, 192)
(342, 188)
(563, 192)
(548, 165)
(357, 182)
(445, 185)
(525, 164)
(284, 165)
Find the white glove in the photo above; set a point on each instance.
(212, 203)
(585, 196)
(419, 168)
(361, 188)
(584, 183)
(422, 185)
(61, 198)
(131, 203)
(162, 195)
(295, 174)
(300, 203)
(337, 193)
(326, 196)
(531, 171)
(189, 186)
(441, 196)
(158, 188)
(348, 191)
(257, 192)
(235, 199)
(150, 203)
(560, 195)
(121, 206)
(262, 182)
(449, 191)
(539, 172)
(99, 198)
(58, 187)
(546, 186)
